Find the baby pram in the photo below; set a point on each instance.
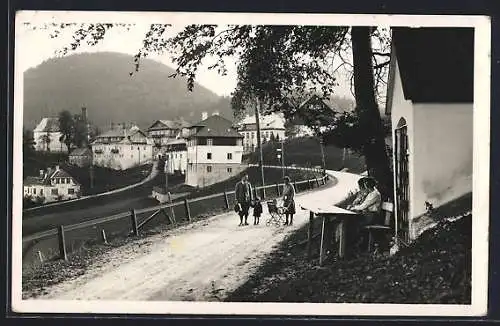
(276, 213)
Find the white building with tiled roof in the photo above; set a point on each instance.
(51, 185)
(122, 148)
(81, 157)
(47, 136)
(164, 131)
(271, 126)
(214, 152)
(176, 155)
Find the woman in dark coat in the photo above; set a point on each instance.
(288, 201)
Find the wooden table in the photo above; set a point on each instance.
(329, 213)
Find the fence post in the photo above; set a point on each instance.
(188, 212)
(62, 243)
(295, 186)
(226, 200)
(317, 181)
(103, 235)
(278, 189)
(172, 210)
(40, 256)
(133, 218)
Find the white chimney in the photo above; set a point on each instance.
(57, 167)
(204, 115)
(42, 173)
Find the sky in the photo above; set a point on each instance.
(37, 46)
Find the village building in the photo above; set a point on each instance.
(214, 149)
(163, 131)
(47, 136)
(122, 148)
(430, 101)
(272, 126)
(298, 123)
(81, 157)
(51, 185)
(176, 156)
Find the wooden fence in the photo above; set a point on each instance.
(55, 242)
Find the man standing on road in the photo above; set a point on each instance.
(244, 196)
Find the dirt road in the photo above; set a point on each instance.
(199, 262)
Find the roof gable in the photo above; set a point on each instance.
(48, 125)
(80, 152)
(216, 126)
(436, 64)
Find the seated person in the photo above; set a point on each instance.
(370, 207)
(360, 195)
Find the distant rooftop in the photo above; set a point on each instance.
(48, 125)
(216, 126)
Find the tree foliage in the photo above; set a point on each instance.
(67, 128)
(277, 66)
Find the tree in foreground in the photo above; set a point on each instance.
(277, 64)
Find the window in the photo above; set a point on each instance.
(71, 191)
(63, 180)
(57, 180)
(68, 180)
(209, 156)
(229, 170)
(210, 141)
(41, 191)
(229, 156)
(34, 191)
(54, 191)
(209, 169)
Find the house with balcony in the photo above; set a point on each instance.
(272, 126)
(164, 131)
(52, 185)
(81, 157)
(176, 156)
(214, 152)
(430, 102)
(122, 148)
(47, 136)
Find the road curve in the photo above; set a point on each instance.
(202, 261)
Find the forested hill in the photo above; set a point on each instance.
(102, 83)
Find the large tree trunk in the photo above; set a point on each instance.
(374, 151)
(258, 108)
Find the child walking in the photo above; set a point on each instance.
(257, 211)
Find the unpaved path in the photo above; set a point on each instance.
(202, 261)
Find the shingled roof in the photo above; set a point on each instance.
(216, 126)
(436, 64)
(48, 125)
(80, 152)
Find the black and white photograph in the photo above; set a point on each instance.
(250, 164)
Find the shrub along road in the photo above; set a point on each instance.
(205, 260)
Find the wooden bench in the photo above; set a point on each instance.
(388, 214)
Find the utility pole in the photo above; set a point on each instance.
(281, 157)
(322, 154)
(259, 143)
(165, 169)
(91, 171)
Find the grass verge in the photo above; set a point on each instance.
(435, 269)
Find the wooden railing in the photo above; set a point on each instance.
(178, 212)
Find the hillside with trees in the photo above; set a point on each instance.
(102, 83)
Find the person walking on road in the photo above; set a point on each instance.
(288, 201)
(244, 197)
